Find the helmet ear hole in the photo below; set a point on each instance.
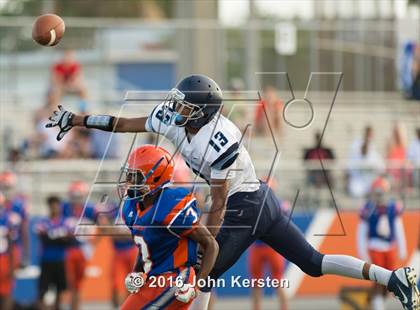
(156, 179)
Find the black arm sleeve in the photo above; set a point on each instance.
(102, 122)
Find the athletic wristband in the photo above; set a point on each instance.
(102, 122)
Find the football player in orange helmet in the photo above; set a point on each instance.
(17, 205)
(75, 211)
(165, 225)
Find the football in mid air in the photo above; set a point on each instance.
(48, 29)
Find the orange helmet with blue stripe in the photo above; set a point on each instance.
(7, 180)
(147, 170)
(381, 185)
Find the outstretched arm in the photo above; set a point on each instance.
(66, 120)
(119, 124)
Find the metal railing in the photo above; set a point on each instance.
(37, 179)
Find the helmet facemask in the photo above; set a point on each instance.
(184, 111)
(134, 186)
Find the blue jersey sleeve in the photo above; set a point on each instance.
(365, 212)
(90, 213)
(185, 220)
(159, 121)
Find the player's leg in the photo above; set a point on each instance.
(6, 283)
(377, 299)
(123, 263)
(233, 241)
(256, 270)
(117, 269)
(284, 237)
(60, 282)
(75, 268)
(276, 263)
(43, 283)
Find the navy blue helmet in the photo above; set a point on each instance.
(195, 99)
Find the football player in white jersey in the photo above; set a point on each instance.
(243, 208)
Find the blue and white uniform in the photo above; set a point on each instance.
(252, 212)
(215, 152)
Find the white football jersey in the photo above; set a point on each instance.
(214, 152)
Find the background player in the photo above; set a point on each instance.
(262, 256)
(55, 236)
(164, 223)
(16, 202)
(124, 250)
(211, 145)
(80, 250)
(381, 234)
(7, 266)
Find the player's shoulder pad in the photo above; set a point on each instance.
(170, 202)
(160, 117)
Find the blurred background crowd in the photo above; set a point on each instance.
(356, 63)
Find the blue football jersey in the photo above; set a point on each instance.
(381, 219)
(55, 229)
(80, 214)
(6, 228)
(18, 214)
(160, 231)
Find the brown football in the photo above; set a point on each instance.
(48, 29)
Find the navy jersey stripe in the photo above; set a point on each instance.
(227, 158)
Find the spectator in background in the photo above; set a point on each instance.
(99, 144)
(55, 236)
(78, 145)
(318, 151)
(364, 165)
(415, 88)
(406, 69)
(413, 157)
(396, 155)
(271, 106)
(66, 77)
(380, 234)
(43, 143)
(410, 70)
(7, 265)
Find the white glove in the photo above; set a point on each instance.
(134, 281)
(62, 119)
(186, 293)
